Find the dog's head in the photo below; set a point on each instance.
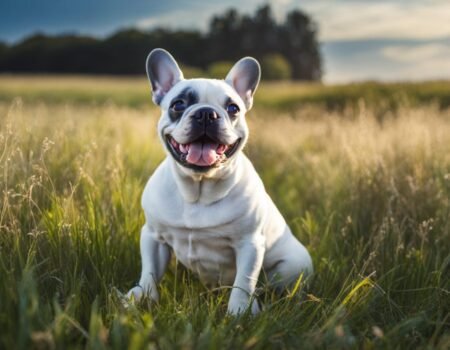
(202, 124)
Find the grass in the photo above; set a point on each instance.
(369, 197)
(382, 98)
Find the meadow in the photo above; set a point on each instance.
(361, 173)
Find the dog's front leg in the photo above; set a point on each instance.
(249, 260)
(155, 258)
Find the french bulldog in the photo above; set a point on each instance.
(205, 202)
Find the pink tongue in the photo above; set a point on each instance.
(202, 153)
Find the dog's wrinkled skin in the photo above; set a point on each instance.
(205, 201)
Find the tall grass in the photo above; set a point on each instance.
(369, 198)
(382, 98)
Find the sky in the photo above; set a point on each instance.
(360, 39)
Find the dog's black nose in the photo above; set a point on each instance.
(205, 116)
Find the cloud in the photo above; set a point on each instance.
(183, 18)
(197, 15)
(347, 28)
(430, 61)
(390, 60)
(417, 53)
(406, 47)
(339, 20)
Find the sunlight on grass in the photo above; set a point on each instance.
(368, 197)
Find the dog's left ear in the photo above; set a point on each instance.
(244, 78)
(163, 73)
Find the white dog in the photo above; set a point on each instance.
(205, 201)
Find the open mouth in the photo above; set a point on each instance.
(201, 154)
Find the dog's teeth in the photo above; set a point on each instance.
(183, 148)
(174, 143)
(221, 149)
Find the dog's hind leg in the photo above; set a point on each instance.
(292, 261)
(155, 258)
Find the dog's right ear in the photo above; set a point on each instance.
(163, 73)
(244, 77)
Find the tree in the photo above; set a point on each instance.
(230, 37)
(275, 67)
(299, 45)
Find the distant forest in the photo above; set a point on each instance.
(287, 50)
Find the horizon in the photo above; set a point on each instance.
(354, 48)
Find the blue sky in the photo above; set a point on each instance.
(361, 39)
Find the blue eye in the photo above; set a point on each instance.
(232, 108)
(178, 106)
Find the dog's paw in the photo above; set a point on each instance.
(237, 308)
(138, 293)
(255, 307)
(135, 293)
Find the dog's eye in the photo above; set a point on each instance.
(232, 108)
(178, 106)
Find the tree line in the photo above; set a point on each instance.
(287, 50)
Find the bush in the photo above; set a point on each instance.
(219, 70)
(275, 67)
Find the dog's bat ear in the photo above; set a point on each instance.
(163, 73)
(244, 77)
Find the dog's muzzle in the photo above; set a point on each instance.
(205, 116)
(206, 150)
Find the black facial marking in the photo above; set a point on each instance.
(188, 96)
(229, 101)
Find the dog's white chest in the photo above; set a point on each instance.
(203, 251)
(204, 236)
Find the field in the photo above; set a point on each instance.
(360, 172)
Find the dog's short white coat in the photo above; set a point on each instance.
(221, 224)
